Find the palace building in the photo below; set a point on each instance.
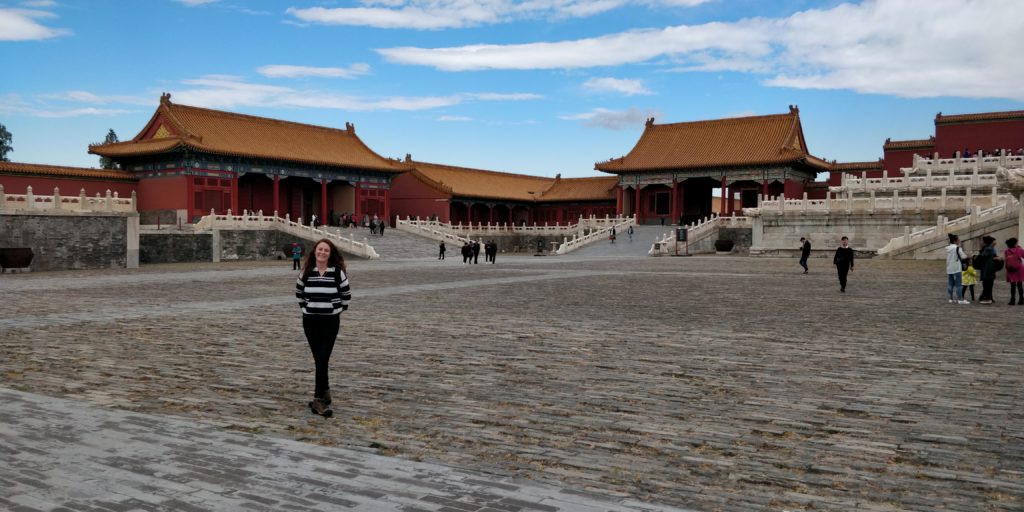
(966, 134)
(669, 174)
(190, 161)
(470, 196)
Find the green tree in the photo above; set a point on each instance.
(5, 143)
(105, 162)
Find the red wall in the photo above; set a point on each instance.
(410, 197)
(43, 186)
(987, 136)
(163, 193)
(793, 189)
(894, 159)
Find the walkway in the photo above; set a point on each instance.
(643, 237)
(64, 453)
(706, 383)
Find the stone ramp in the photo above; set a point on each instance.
(396, 244)
(61, 454)
(643, 237)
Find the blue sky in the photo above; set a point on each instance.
(538, 86)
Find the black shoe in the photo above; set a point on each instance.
(327, 397)
(843, 290)
(317, 406)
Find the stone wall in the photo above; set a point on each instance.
(72, 242)
(175, 247)
(779, 235)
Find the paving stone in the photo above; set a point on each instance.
(711, 383)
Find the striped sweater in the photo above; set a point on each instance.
(323, 295)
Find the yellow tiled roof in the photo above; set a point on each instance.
(64, 172)
(1010, 115)
(581, 189)
(858, 166)
(483, 184)
(756, 140)
(228, 133)
(909, 144)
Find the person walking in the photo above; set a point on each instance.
(1014, 258)
(381, 226)
(970, 279)
(476, 253)
(986, 264)
(843, 262)
(494, 255)
(612, 236)
(440, 255)
(467, 253)
(296, 256)
(954, 270)
(805, 252)
(323, 293)
(630, 231)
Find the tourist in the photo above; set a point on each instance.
(970, 278)
(954, 268)
(1014, 257)
(380, 227)
(312, 221)
(440, 255)
(373, 227)
(494, 254)
(476, 253)
(843, 262)
(629, 232)
(467, 253)
(805, 252)
(612, 236)
(296, 255)
(323, 292)
(986, 263)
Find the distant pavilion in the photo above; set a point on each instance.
(669, 174)
(466, 195)
(190, 160)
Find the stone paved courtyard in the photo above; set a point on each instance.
(709, 383)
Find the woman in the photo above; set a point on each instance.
(323, 293)
(1014, 257)
(986, 264)
(954, 270)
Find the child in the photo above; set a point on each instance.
(970, 278)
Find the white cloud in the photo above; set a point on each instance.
(440, 14)
(39, 3)
(612, 119)
(224, 91)
(193, 3)
(288, 71)
(961, 48)
(454, 118)
(21, 25)
(88, 97)
(626, 86)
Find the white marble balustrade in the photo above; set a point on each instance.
(893, 200)
(700, 230)
(70, 204)
(1008, 206)
(256, 220)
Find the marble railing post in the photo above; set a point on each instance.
(895, 200)
(30, 200)
(56, 198)
(943, 203)
(3, 197)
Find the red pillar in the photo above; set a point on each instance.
(190, 205)
(618, 200)
(357, 192)
(510, 220)
(277, 194)
(636, 206)
(764, 190)
(323, 201)
(673, 199)
(490, 217)
(682, 201)
(721, 205)
(234, 195)
(387, 206)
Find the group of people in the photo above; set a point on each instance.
(471, 252)
(842, 260)
(963, 271)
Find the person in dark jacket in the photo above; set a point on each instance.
(843, 261)
(805, 252)
(494, 251)
(323, 293)
(467, 252)
(985, 262)
(440, 255)
(476, 253)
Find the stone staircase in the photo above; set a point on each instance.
(397, 245)
(643, 237)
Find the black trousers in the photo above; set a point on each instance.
(986, 289)
(440, 255)
(295, 264)
(1019, 296)
(843, 271)
(803, 262)
(321, 332)
(968, 288)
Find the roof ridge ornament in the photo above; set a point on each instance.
(650, 122)
(165, 97)
(349, 127)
